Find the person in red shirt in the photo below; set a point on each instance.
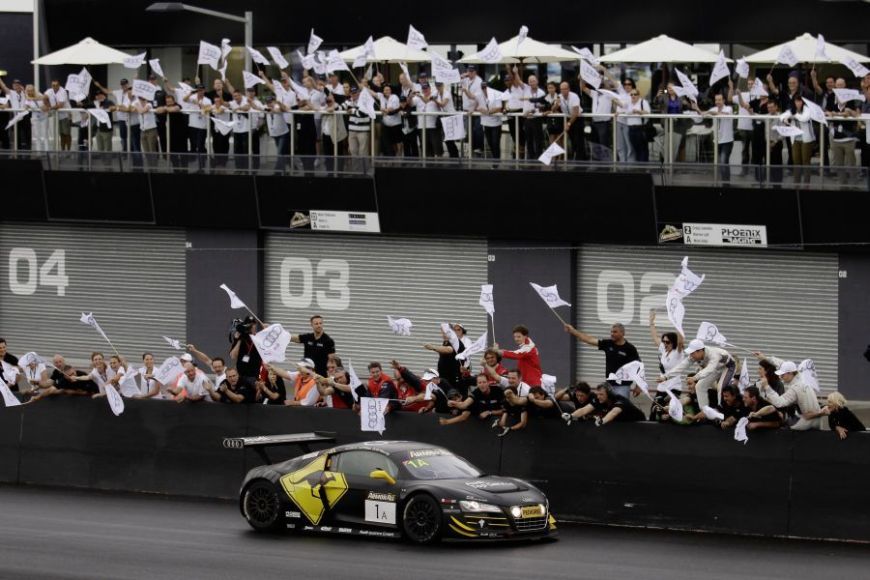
(380, 386)
(527, 357)
(406, 390)
(492, 359)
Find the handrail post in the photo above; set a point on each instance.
(424, 117)
(470, 142)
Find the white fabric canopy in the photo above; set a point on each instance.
(662, 48)
(529, 50)
(86, 52)
(388, 49)
(804, 47)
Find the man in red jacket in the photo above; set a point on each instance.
(527, 357)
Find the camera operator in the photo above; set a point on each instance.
(243, 352)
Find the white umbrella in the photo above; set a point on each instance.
(804, 48)
(662, 48)
(529, 50)
(388, 49)
(86, 52)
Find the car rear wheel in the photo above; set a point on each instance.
(421, 519)
(261, 506)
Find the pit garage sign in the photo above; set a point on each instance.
(725, 235)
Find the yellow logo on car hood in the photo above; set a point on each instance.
(312, 498)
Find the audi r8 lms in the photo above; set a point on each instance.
(396, 489)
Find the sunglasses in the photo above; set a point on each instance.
(666, 341)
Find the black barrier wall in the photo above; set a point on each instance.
(781, 483)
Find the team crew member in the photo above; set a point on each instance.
(515, 411)
(243, 352)
(484, 401)
(335, 389)
(271, 390)
(717, 370)
(607, 407)
(192, 386)
(732, 407)
(458, 414)
(431, 391)
(448, 367)
(317, 345)
(236, 389)
(542, 406)
(761, 414)
(840, 419)
(796, 391)
(580, 395)
(617, 353)
(527, 356)
(305, 393)
(10, 376)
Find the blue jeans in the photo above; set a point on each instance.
(282, 144)
(623, 143)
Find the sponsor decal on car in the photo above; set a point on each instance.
(311, 496)
(377, 496)
(488, 484)
(426, 453)
(296, 515)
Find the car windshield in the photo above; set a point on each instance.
(441, 466)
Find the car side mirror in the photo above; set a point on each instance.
(381, 474)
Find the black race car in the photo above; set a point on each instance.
(394, 489)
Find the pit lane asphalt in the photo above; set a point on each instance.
(51, 533)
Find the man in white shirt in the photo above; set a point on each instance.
(570, 102)
(59, 100)
(725, 131)
(472, 89)
(195, 386)
(148, 125)
(518, 95)
(241, 124)
(533, 122)
(196, 121)
(277, 125)
(490, 106)
(796, 392)
(444, 101)
(716, 369)
(426, 103)
(744, 123)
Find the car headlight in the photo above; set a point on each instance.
(516, 512)
(477, 507)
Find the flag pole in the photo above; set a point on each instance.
(556, 314)
(255, 316)
(739, 348)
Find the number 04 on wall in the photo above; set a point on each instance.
(26, 275)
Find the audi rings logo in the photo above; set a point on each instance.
(234, 443)
(373, 411)
(272, 337)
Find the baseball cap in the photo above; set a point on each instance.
(785, 368)
(471, 67)
(187, 357)
(462, 327)
(695, 346)
(430, 374)
(425, 86)
(354, 90)
(307, 363)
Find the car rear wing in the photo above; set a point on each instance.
(262, 442)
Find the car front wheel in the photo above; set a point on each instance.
(261, 506)
(421, 519)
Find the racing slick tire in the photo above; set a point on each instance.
(261, 506)
(422, 519)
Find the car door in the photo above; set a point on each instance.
(369, 502)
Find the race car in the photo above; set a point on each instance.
(396, 489)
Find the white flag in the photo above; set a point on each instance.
(14, 121)
(416, 40)
(116, 403)
(708, 332)
(454, 127)
(720, 69)
(788, 130)
(687, 84)
(757, 91)
(627, 372)
(821, 52)
(9, 399)
(432, 389)
(787, 56)
(307, 60)
(740, 431)
(75, 87)
(675, 407)
(154, 63)
(807, 371)
(548, 383)
(31, 357)
(334, 62)
(486, 299)
(128, 385)
(173, 343)
(301, 92)
(676, 311)
(371, 414)
(10, 372)
(278, 57)
(858, 69)
(360, 61)
(88, 318)
(366, 103)
(168, 372)
(400, 326)
(451, 335)
(144, 89)
(744, 379)
(711, 413)
(846, 95)
(476, 347)
(404, 68)
(816, 112)
(550, 295)
(674, 383)
(223, 127)
(440, 64)
(102, 116)
(314, 42)
(223, 71)
(271, 343)
(235, 302)
(524, 33)
(134, 62)
(251, 80)
(589, 75)
(353, 380)
(492, 53)
(586, 54)
(449, 77)
(687, 282)
(743, 68)
(209, 54)
(226, 49)
(554, 150)
(257, 56)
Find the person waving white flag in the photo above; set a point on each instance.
(553, 151)
(451, 335)
(476, 347)
(9, 399)
(550, 295)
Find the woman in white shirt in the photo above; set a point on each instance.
(38, 106)
(636, 126)
(391, 133)
(625, 151)
(802, 145)
(671, 353)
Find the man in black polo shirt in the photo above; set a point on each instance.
(617, 353)
(485, 401)
(607, 407)
(317, 345)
